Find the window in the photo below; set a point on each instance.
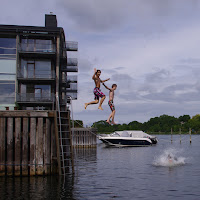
(7, 70)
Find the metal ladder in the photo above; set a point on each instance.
(64, 143)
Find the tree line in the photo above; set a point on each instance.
(161, 124)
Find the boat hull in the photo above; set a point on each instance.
(126, 142)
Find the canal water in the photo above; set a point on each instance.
(120, 173)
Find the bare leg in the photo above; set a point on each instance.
(113, 116)
(102, 99)
(92, 102)
(108, 120)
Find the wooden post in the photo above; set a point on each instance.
(171, 135)
(17, 146)
(47, 149)
(25, 147)
(32, 145)
(180, 134)
(190, 135)
(10, 146)
(2, 146)
(57, 143)
(39, 147)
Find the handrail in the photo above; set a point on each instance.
(59, 118)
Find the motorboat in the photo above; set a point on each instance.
(128, 138)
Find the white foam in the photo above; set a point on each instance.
(165, 161)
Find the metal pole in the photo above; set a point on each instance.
(171, 135)
(190, 135)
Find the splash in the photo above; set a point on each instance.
(169, 158)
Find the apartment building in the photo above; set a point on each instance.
(35, 70)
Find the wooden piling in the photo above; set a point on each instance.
(84, 137)
(28, 142)
(25, 147)
(2, 147)
(17, 146)
(180, 134)
(32, 146)
(171, 135)
(10, 146)
(190, 133)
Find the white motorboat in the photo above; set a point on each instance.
(128, 138)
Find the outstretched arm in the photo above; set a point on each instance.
(105, 80)
(107, 87)
(94, 76)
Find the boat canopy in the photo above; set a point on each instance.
(135, 134)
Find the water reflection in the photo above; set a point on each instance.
(49, 187)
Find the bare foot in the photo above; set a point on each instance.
(86, 105)
(108, 122)
(100, 108)
(113, 123)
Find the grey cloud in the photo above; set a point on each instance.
(169, 94)
(85, 65)
(99, 16)
(157, 76)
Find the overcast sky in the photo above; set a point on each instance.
(149, 48)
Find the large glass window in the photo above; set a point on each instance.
(34, 93)
(7, 72)
(35, 69)
(37, 45)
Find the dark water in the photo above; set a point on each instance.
(120, 173)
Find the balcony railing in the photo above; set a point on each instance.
(71, 46)
(36, 74)
(70, 69)
(73, 78)
(35, 97)
(72, 61)
(37, 47)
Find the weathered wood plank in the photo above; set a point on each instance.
(2, 146)
(10, 141)
(32, 145)
(54, 161)
(47, 147)
(17, 146)
(39, 148)
(57, 143)
(20, 113)
(25, 147)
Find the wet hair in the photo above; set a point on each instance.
(98, 70)
(114, 85)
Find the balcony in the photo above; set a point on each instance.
(71, 88)
(70, 69)
(71, 46)
(72, 61)
(35, 97)
(36, 49)
(72, 79)
(36, 75)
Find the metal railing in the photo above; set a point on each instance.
(71, 46)
(37, 47)
(36, 74)
(72, 78)
(35, 97)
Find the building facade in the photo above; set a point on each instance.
(35, 69)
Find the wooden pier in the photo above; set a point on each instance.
(28, 142)
(84, 137)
